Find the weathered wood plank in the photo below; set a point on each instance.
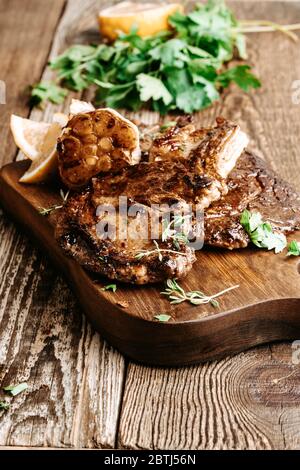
(75, 379)
(250, 401)
(27, 28)
(47, 342)
(235, 403)
(69, 369)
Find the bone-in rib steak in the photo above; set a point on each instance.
(196, 176)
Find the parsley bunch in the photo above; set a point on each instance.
(185, 69)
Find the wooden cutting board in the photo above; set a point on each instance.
(265, 307)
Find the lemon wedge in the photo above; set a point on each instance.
(150, 18)
(46, 162)
(29, 135)
(37, 140)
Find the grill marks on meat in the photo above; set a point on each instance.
(254, 186)
(116, 258)
(195, 177)
(215, 150)
(208, 156)
(185, 166)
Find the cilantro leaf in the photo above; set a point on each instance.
(153, 88)
(191, 99)
(261, 233)
(241, 75)
(14, 390)
(4, 405)
(47, 91)
(294, 249)
(162, 317)
(240, 42)
(112, 287)
(170, 52)
(184, 68)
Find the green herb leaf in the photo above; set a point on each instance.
(294, 249)
(177, 295)
(112, 287)
(47, 91)
(4, 405)
(241, 75)
(14, 390)
(183, 69)
(167, 125)
(162, 317)
(152, 88)
(240, 42)
(48, 210)
(261, 233)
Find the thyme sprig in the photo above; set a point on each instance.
(177, 294)
(157, 250)
(170, 230)
(46, 211)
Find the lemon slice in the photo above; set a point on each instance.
(45, 160)
(29, 135)
(150, 18)
(41, 169)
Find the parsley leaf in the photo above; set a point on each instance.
(112, 287)
(241, 75)
(151, 87)
(294, 249)
(14, 390)
(4, 405)
(47, 91)
(182, 69)
(162, 317)
(261, 233)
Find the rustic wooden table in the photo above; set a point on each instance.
(82, 393)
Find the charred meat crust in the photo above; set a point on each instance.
(194, 174)
(107, 260)
(254, 186)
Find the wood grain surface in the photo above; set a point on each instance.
(227, 404)
(27, 30)
(75, 379)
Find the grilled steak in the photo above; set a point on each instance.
(194, 177)
(117, 259)
(218, 148)
(254, 186)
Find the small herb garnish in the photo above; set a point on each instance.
(14, 390)
(177, 295)
(167, 125)
(47, 91)
(157, 250)
(46, 211)
(170, 231)
(112, 287)
(261, 233)
(4, 405)
(294, 249)
(162, 317)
